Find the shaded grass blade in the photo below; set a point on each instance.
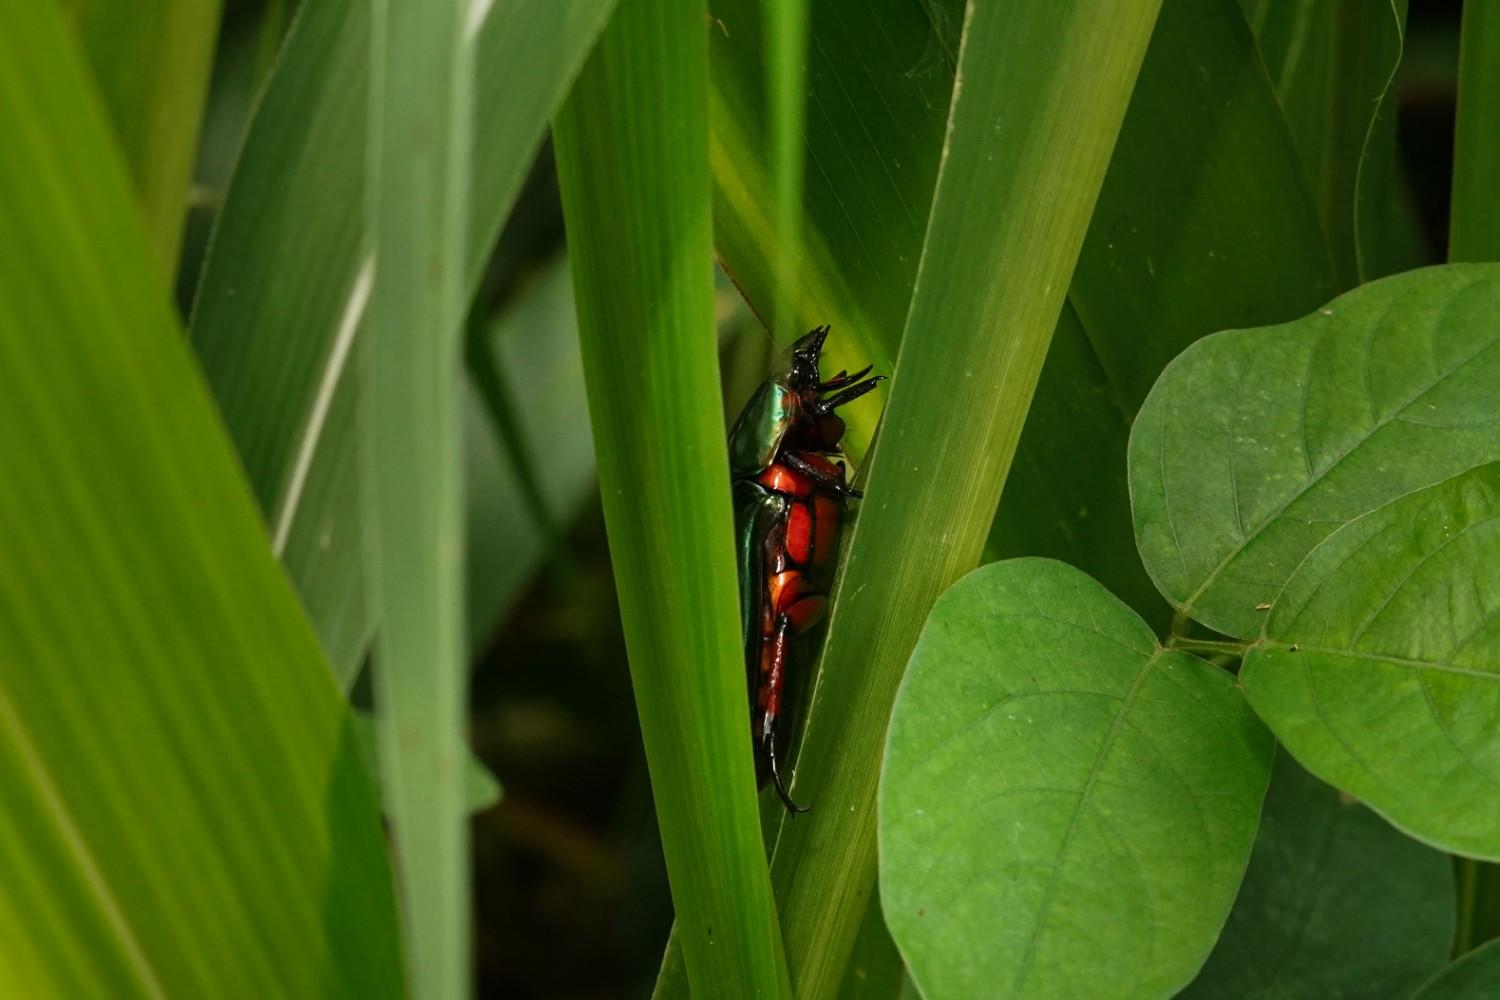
(786, 72)
(287, 279)
(418, 201)
(182, 806)
(1028, 141)
(632, 156)
(151, 59)
(1475, 219)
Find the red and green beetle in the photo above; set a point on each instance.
(790, 490)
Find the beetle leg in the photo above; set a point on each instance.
(820, 477)
(849, 395)
(844, 378)
(778, 640)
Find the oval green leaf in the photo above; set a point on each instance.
(1475, 976)
(1335, 903)
(1380, 667)
(1066, 808)
(1255, 445)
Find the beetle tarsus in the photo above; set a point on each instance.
(844, 378)
(786, 797)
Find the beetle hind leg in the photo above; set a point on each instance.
(781, 792)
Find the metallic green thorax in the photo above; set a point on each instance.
(757, 434)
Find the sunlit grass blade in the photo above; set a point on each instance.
(151, 60)
(1030, 135)
(183, 810)
(632, 155)
(287, 279)
(421, 102)
(1474, 232)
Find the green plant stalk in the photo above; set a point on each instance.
(422, 79)
(1032, 124)
(632, 157)
(1475, 230)
(786, 79)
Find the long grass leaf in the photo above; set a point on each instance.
(287, 280)
(1030, 133)
(183, 811)
(151, 59)
(632, 155)
(421, 94)
(1475, 226)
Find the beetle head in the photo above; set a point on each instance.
(802, 372)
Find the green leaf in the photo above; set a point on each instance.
(1335, 903)
(1255, 445)
(421, 105)
(1334, 65)
(1067, 808)
(183, 809)
(1475, 976)
(151, 60)
(287, 282)
(1386, 638)
(632, 157)
(1474, 232)
(1028, 142)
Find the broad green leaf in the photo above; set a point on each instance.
(1475, 976)
(1474, 227)
(632, 157)
(183, 809)
(1385, 638)
(287, 283)
(1067, 807)
(1335, 903)
(1255, 445)
(418, 148)
(1028, 142)
(1334, 66)
(151, 60)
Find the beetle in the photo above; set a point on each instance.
(790, 494)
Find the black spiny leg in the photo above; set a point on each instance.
(825, 480)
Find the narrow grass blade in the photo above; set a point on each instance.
(534, 351)
(421, 93)
(151, 59)
(287, 280)
(183, 811)
(632, 155)
(1474, 233)
(786, 73)
(1333, 65)
(1029, 138)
